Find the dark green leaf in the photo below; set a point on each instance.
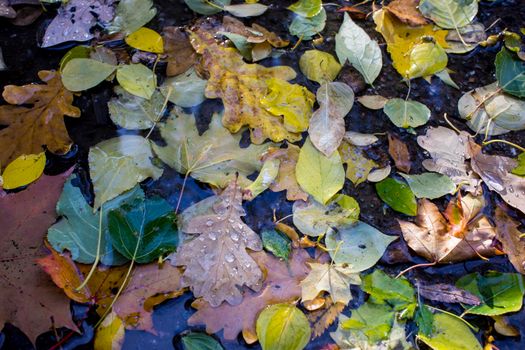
(424, 320)
(397, 195)
(276, 243)
(200, 341)
(510, 72)
(395, 291)
(373, 320)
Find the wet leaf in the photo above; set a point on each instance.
(327, 125)
(266, 177)
(276, 243)
(213, 157)
(23, 171)
(374, 321)
(200, 341)
(146, 39)
(449, 333)
(373, 101)
(357, 165)
(378, 175)
(447, 293)
(430, 185)
(359, 139)
(465, 39)
(81, 74)
(397, 195)
(110, 333)
(319, 66)
(131, 15)
(398, 150)
(449, 14)
(323, 318)
(283, 327)
(221, 240)
(406, 113)
(118, 164)
(520, 168)
(359, 245)
(424, 319)
(320, 176)
(133, 112)
(352, 43)
(180, 53)
(33, 298)
(331, 278)
(314, 219)
(426, 59)
(512, 239)
(396, 292)
(510, 72)
(137, 79)
(407, 12)
(34, 117)
(306, 28)
(204, 8)
(75, 19)
(185, 90)
(306, 8)
(500, 293)
(246, 10)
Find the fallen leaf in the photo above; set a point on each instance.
(373, 101)
(255, 34)
(133, 112)
(449, 14)
(306, 8)
(246, 10)
(33, 298)
(185, 90)
(407, 12)
(180, 53)
(373, 321)
(430, 185)
(449, 333)
(281, 285)
(447, 293)
(137, 79)
(146, 39)
(130, 15)
(510, 72)
(357, 165)
(426, 59)
(397, 195)
(406, 113)
(520, 167)
(23, 171)
(34, 118)
(276, 243)
(305, 28)
(266, 177)
(81, 74)
(204, 8)
(511, 238)
(503, 326)
(360, 139)
(319, 66)
(323, 318)
(398, 150)
(200, 341)
(353, 11)
(221, 240)
(465, 39)
(110, 333)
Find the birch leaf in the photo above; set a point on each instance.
(405, 114)
(430, 185)
(352, 43)
(449, 14)
(306, 28)
(23, 171)
(146, 39)
(81, 74)
(187, 89)
(450, 333)
(283, 327)
(137, 79)
(131, 15)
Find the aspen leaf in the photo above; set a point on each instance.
(84, 73)
(306, 8)
(137, 79)
(450, 333)
(306, 28)
(23, 170)
(319, 66)
(406, 114)
(397, 195)
(146, 39)
(510, 72)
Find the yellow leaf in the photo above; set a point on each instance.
(24, 170)
(146, 39)
(427, 59)
(401, 40)
(110, 334)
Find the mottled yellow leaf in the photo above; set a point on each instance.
(24, 170)
(110, 333)
(146, 39)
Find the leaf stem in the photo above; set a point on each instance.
(97, 256)
(485, 143)
(482, 102)
(415, 267)
(161, 112)
(212, 4)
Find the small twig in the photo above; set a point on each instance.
(415, 267)
(482, 102)
(485, 143)
(450, 124)
(284, 218)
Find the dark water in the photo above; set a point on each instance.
(24, 59)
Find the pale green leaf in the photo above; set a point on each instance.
(466, 38)
(449, 14)
(374, 321)
(266, 177)
(450, 332)
(306, 8)
(131, 15)
(430, 185)
(397, 195)
(133, 112)
(81, 74)
(246, 10)
(305, 28)
(203, 7)
(283, 327)
(406, 113)
(510, 72)
(187, 89)
(137, 79)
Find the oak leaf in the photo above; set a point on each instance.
(323, 318)
(282, 284)
(511, 239)
(30, 299)
(34, 118)
(220, 241)
(407, 12)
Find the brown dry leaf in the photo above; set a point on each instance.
(30, 300)
(281, 285)
(407, 12)
(353, 11)
(439, 241)
(41, 124)
(223, 265)
(180, 53)
(511, 239)
(398, 150)
(447, 293)
(286, 177)
(255, 34)
(323, 318)
(149, 285)
(243, 88)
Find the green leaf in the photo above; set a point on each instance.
(405, 114)
(425, 59)
(200, 341)
(319, 66)
(75, 52)
(78, 230)
(306, 28)
(318, 175)
(449, 14)
(500, 293)
(359, 245)
(204, 8)
(397, 195)
(510, 72)
(424, 320)
(131, 15)
(283, 327)
(450, 333)
(520, 168)
(306, 8)
(430, 185)
(276, 243)
(187, 89)
(314, 219)
(397, 292)
(81, 74)
(246, 10)
(266, 177)
(373, 320)
(133, 112)
(137, 79)
(241, 43)
(143, 229)
(352, 43)
(118, 164)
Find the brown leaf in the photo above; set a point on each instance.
(30, 300)
(286, 177)
(447, 293)
(511, 239)
(223, 265)
(41, 124)
(256, 34)
(407, 12)
(323, 318)
(398, 150)
(281, 285)
(177, 47)
(353, 12)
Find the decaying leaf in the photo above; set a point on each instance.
(511, 239)
(31, 298)
(35, 117)
(220, 240)
(282, 284)
(130, 15)
(466, 38)
(407, 12)
(449, 14)
(323, 318)
(319, 66)
(447, 293)
(180, 53)
(398, 150)
(358, 166)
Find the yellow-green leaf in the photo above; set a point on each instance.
(23, 170)
(146, 39)
(110, 333)
(306, 8)
(450, 333)
(319, 66)
(426, 59)
(137, 79)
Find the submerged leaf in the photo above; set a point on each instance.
(510, 72)
(397, 195)
(180, 53)
(23, 170)
(200, 341)
(306, 28)
(137, 79)
(276, 243)
(185, 90)
(134, 112)
(131, 15)
(81, 74)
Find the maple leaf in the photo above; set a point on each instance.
(30, 299)
(243, 87)
(220, 242)
(281, 285)
(180, 53)
(467, 235)
(42, 123)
